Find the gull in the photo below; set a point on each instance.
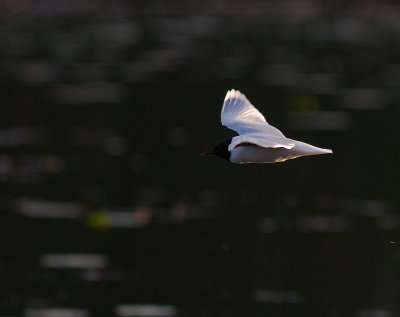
(258, 141)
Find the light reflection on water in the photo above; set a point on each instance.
(72, 261)
(55, 312)
(146, 310)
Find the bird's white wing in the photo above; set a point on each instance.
(271, 141)
(240, 115)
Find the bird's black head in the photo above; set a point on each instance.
(221, 150)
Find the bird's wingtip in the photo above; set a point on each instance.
(232, 93)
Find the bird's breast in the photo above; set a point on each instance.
(250, 153)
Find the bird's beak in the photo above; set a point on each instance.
(206, 153)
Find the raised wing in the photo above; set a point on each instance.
(240, 115)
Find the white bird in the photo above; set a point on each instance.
(258, 141)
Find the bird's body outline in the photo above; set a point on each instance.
(258, 141)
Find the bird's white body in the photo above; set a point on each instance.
(250, 153)
(258, 141)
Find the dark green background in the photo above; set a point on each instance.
(318, 234)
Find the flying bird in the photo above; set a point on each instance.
(258, 141)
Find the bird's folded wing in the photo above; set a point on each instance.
(240, 115)
(260, 140)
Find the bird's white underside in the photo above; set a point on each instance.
(251, 153)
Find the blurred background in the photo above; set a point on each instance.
(107, 208)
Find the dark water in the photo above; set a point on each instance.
(107, 209)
